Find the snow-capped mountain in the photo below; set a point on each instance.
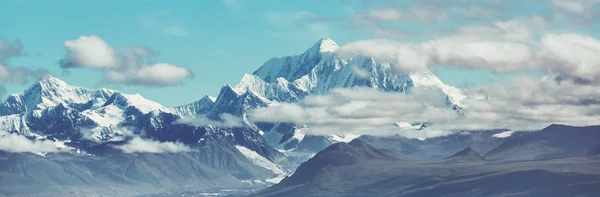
(320, 69)
(317, 71)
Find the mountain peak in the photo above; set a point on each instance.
(50, 80)
(466, 155)
(325, 45)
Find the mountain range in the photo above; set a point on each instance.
(106, 142)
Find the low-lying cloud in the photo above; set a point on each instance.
(140, 145)
(359, 111)
(11, 142)
(524, 103)
(129, 66)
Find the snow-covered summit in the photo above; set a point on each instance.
(49, 92)
(294, 67)
(325, 45)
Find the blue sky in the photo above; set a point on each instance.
(217, 40)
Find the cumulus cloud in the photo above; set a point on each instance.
(161, 74)
(226, 120)
(11, 142)
(89, 51)
(140, 145)
(131, 66)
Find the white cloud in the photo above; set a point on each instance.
(17, 143)
(226, 120)
(571, 56)
(530, 103)
(358, 110)
(89, 51)
(523, 103)
(498, 56)
(161, 74)
(139, 145)
(131, 66)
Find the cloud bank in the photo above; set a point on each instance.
(524, 103)
(130, 66)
